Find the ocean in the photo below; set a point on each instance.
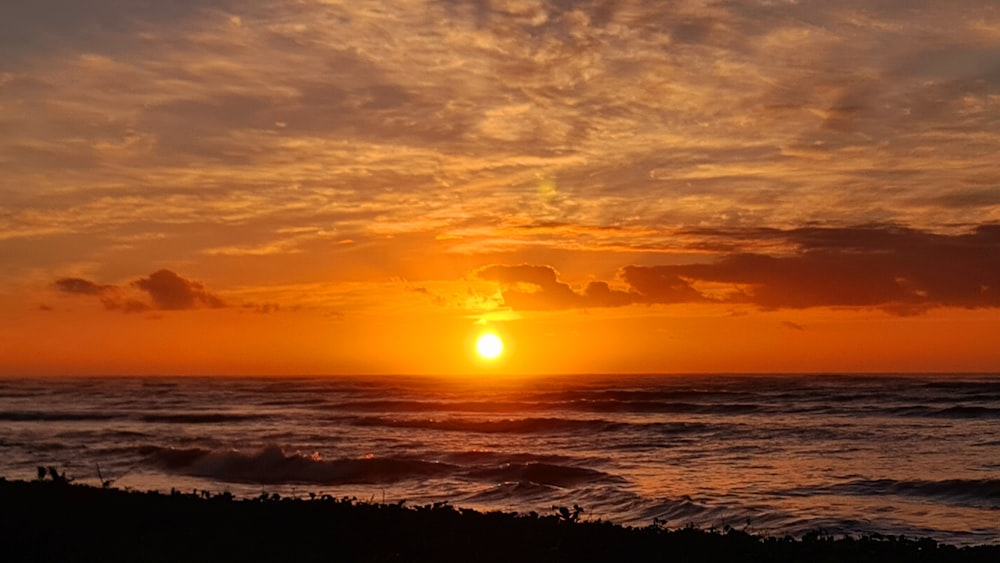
(901, 455)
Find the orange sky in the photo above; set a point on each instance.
(363, 187)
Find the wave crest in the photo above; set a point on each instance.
(271, 465)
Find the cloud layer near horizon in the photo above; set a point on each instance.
(903, 271)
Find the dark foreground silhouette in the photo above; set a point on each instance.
(54, 520)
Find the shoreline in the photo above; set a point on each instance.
(59, 521)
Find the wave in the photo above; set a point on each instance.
(957, 411)
(974, 386)
(598, 406)
(542, 425)
(479, 458)
(963, 411)
(979, 489)
(176, 418)
(684, 511)
(812, 400)
(57, 416)
(640, 395)
(658, 407)
(294, 402)
(522, 490)
(199, 418)
(973, 492)
(540, 473)
(158, 385)
(271, 465)
(507, 426)
(381, 405)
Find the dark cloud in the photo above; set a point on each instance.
(111, 296)
(167, 290)
(897, 269)
(172, 292)
(900, 270)
(660, 286)
(81, 286)
(262, 308)
(532, 287)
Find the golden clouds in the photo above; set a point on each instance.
(233, 104)
(291, 150)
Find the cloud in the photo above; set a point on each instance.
(111, 296)
(168, 291)
(218, 123)
(899, 270)
(655, 285)
(81, 286)
(262, 308)
(172, 292)
(537, 287)
(893, 268)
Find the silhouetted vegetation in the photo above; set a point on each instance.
(53, 520)
(53, 474)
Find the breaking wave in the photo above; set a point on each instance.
(271, 465)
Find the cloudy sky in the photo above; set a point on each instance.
(325, 186)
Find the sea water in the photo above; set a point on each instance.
(776, 455)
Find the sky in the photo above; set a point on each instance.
(338, 187)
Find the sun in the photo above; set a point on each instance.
(489, 346)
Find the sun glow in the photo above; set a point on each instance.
(489, 346)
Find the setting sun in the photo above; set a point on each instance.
(489, 346)
(685, 267)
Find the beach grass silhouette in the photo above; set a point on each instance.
(51, 519)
